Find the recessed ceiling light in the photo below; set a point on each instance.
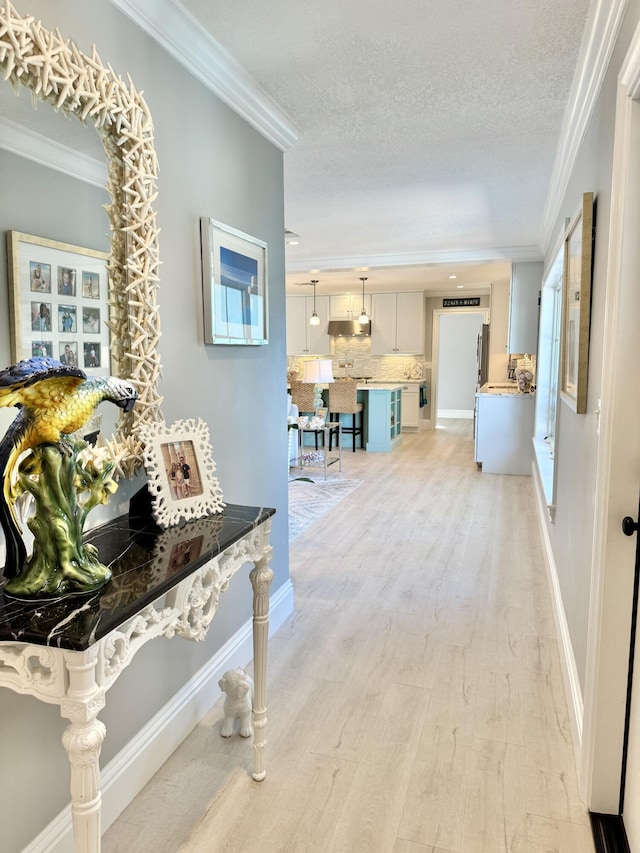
(460, 286)
(453, 276)
(293, 242)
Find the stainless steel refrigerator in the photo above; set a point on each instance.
(483, 355)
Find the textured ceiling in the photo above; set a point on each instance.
(425, 126)
(428, 129)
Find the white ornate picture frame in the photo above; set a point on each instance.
(178, 460)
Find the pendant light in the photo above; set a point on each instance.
(363, 319)
(314, 320)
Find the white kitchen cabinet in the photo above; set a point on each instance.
(397, 323)
(348, 306)
(504, 433)
(302, 338)
(411, 406)
(526, 284)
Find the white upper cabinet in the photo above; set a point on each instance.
(302, 338)
(348, 306)
(526, 284)
(397, 323)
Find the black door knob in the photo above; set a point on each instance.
(629, 526)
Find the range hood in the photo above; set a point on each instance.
(349, 328)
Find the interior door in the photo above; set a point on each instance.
(630, 794)
(625, 473)
(609, 735)
(630, 301)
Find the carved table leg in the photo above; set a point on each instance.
(83, 742)
(261, 577)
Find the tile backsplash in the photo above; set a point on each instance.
(357, 353)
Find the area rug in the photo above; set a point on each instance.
(308, 500)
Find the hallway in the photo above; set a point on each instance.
(415, 698)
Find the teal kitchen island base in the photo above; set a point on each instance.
(382, 418)
(383, 415)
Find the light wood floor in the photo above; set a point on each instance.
(415, 698)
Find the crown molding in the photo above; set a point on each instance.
(178, 32)
(601, 32)
(47, 152)
(630, 71)
(444, 256)
(469, 290)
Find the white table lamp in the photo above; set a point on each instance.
(320, 372)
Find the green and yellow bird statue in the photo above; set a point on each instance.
(54, 400)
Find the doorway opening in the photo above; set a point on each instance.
(455, 357)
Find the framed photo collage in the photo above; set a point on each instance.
(59, 302)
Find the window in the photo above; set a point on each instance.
(547, 373)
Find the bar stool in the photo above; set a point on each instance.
(343, 400)
(302, 396)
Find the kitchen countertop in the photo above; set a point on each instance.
(376, 386)
(502, 389)
(400, 382)
(380, 386)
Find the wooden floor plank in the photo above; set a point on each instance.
(415, 697)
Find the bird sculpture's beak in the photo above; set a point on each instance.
(127, 405)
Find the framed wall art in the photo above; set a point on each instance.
(178, 460)
(58, 300)
(576, 307)
(234, 285)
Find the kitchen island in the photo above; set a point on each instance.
(382, 415)
(504, 429)
(414, 398)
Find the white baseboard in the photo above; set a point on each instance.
(126, 774)
(455, 413)
(573, 692)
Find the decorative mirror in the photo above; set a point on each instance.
(55, 71)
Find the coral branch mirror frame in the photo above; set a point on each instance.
(57, 72)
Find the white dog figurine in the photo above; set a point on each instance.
(238, 703)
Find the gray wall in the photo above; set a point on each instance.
(576, 438)
(211, 163)
(458, 361)
(434, 303)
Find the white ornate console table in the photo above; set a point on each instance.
(167, 583)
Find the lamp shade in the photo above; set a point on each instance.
(319, 370)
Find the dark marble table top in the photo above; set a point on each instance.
(145, 561)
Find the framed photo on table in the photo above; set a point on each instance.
(181, 480)
(58, 301)
(576, 307)
(234, 285)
